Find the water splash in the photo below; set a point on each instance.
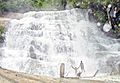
(40, 41)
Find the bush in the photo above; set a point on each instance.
(46, 4)
(2, 7)
(2, 29)
(18, 5)
(38, 3)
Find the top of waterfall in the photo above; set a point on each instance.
(72, 11)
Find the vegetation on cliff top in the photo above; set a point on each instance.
(26, 5)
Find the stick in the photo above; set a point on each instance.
(95, 73)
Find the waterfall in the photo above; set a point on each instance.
(40, 41)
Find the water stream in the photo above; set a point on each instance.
(40, 41)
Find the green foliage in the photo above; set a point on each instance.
(85, 3)
(38, 3)
(101, 17)
(2, 30)
(46, 4)
(18, 5)
(2, 6)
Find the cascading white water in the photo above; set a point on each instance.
(40, 41)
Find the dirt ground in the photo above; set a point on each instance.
(8, 76)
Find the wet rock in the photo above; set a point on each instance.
(100, 48)
(33, 56)
(31, 49)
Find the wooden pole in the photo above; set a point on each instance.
(95, 73)
(62, 70)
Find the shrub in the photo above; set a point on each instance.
(2, 30)
(2, 7)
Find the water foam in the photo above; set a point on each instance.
(40, 41)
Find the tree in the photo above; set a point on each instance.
(2, 7)
(38, 3)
